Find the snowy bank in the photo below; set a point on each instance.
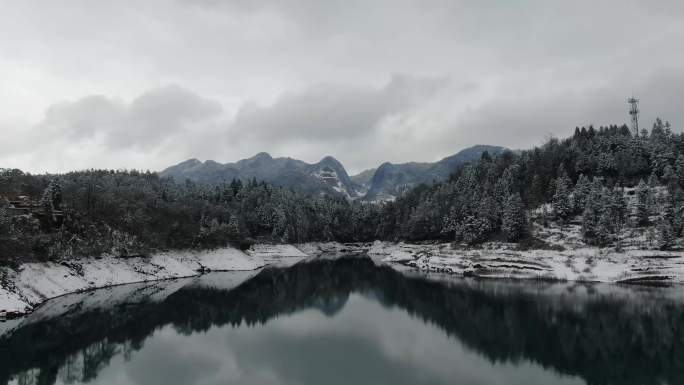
(500, 260)
(24, 288)
(108, 298)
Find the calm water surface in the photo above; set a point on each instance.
(348, 321)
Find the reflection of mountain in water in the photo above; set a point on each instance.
(603, 338)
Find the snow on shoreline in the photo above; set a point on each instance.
(24, 288)
(503, 261)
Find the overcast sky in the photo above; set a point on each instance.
(146, 84)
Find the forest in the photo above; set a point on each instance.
(586, 177)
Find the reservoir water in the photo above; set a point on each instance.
(350, 321)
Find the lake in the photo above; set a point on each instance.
(350, 321)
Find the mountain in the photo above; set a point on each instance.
(363, 179)
(391, 180)
(328, 175)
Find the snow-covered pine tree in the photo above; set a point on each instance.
(513, 222)
(679, 169)
(665, 235)
(581, 193)
(618, 213)
(592, 212)
(670, 179)
(536, 195)
(450, 222)
(561, 198)
(653, 180)
(505, 186)
(642, 204)
(233, 228)
(5, 220)
(489, 214)
(604, 231)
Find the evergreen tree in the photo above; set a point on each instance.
(665, 234)
(679, 170)
(514, 219)
(670, 179)
(604, 231)
(561, 198)
(581, 193)
(653, 180)
(536, 195)
(233, 229)
(642, 204)
(592, 212)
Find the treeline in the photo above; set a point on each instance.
(585, 174)
(134, 213)
(129, 213)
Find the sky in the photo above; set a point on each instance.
(147, 84)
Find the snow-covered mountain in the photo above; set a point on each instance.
(327, 176)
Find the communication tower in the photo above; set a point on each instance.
(634, 113)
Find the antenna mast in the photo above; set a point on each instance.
(634, 113)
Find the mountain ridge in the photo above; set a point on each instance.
(328, 175)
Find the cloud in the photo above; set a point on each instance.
(305, 80)
(149, 119)
(149, 132)
(329, 112)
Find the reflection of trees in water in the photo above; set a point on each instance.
(605, 341)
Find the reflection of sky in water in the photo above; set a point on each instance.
(365, 343)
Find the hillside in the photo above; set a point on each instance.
(392, 180)
(326, 176)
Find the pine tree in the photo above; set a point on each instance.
(514, 221)
(581, 193)
(665, 236)
(506, 185)
(536, 195)
(589, 223)
(642, 204)
(653, 180)
(489, 214)
(561, 198)
(670, 179)
(233, 228)
(618, 213)
(592, 212)
(5, 221)
(604, 231)
(679, 170)
(450, 222)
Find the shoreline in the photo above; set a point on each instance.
(24, 289)
(501, 260)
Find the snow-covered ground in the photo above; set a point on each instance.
(108, 298)
(502, 260)
(24, 288)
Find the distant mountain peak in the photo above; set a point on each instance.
(391, 180)
(326, 176)
(262, 155)
(190, 162)
(386, 182)
(329, 159)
